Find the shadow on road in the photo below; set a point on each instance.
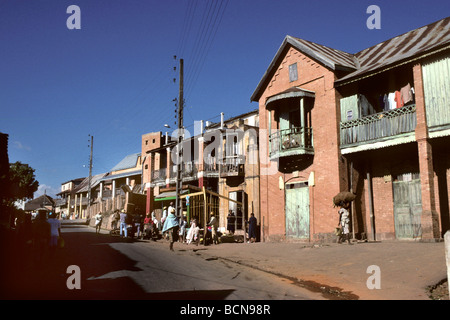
(23, 277)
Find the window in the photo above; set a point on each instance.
(293, 75)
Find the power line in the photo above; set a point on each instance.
(207, 47)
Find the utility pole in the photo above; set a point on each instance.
(178, 204)
(90, 177)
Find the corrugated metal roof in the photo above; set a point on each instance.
(386, 54)
(83, 187)
(122, 175)
(400, 48)
(128, 162)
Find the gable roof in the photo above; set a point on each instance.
(39, 202)
(331, 58)
(130, 161)
(418, 42)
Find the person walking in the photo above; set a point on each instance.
(214, 223)
(55, 233)
(231, 220)
(41, 236)
(171, 226)
(182, 232)
(344, 223)
(123, 224)
(252, 223)
(129, 222)
(116, 219)
(98, 222)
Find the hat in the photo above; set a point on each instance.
(173, 210)
(212, 213)
(165, 208)
(123, 210)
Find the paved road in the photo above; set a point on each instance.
(113, 268)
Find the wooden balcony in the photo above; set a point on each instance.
(291, 142)
(232, 166)
(378, 130)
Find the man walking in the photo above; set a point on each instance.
(123, 225)
(98, 222)
(214, 223)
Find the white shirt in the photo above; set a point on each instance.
(55, 224)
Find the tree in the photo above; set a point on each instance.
(21, 184)
(23, 181)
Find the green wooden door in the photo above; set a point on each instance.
(297, 211)
(407, 209)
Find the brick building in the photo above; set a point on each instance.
(221, 157)
(374, 123)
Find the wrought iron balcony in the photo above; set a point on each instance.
(379, 126)
(232, 166)
(289, 142)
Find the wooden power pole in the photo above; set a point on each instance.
(90, 178)
(178, 204)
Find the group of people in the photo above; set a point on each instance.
(131, 224)
(252, 225)
(42, 236)
(171, 227)
(175, 228)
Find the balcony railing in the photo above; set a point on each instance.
(380, 125)
(293, 141)
(211, 167)
(189, 170)
(232, 166)
(159, 175)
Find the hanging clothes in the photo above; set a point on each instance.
(386, 102)
(391, 99)
(407, 93)
(398, 99)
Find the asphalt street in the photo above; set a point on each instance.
(114, 268)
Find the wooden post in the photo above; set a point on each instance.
(447, 255)
(204, 216)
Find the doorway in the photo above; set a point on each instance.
(407, 206)
(297, 210)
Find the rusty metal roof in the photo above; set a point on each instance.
(414, 43)
(333, 58)
(329, 57)
(401, 48)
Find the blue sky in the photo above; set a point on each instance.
(113, 78)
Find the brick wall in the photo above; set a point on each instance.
(327, 164)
